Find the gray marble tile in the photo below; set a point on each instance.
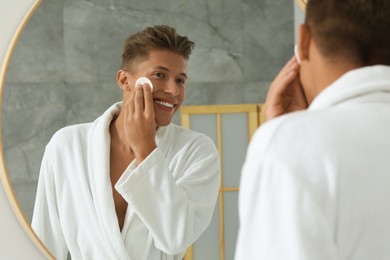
(16, 163)
(81, 25)
(24, 159)
(226, 93)
(214, 65)
(268, 37)
(197, 9)
(214, 93)
(256, 92)
(87, 101)
(29, 109)
(226, 19)
(39, 53)
(32, 113)
(26, 193)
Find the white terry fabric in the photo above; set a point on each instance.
(171, 195)
(316, 184)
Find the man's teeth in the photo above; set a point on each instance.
(165, 104)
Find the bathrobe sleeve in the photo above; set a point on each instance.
(46, 221)
(174, 198)
(279, 219)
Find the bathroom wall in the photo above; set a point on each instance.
(63, 68)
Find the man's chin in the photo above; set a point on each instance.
(162, 122)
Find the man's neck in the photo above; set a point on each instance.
(118, 135)
(327, 73)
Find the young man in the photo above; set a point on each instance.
(131, 185)
(315, 184)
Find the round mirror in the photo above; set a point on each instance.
(63, 68)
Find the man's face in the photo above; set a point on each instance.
(167, 71)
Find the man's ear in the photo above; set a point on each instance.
(123, 80)
(304, 42)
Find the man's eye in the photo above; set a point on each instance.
(159, 75)
(181, 81)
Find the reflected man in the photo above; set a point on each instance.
(315, 184)
(131, 185)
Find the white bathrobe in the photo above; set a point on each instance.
(171, 195)
(316, 184)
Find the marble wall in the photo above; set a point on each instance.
(63, 68)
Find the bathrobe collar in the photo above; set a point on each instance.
(99, 173)
(354, 84)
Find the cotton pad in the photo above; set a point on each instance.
(297, 54)
(143, 80)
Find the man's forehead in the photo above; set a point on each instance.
(164, 60)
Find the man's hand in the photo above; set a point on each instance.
(139, 122)
(285, 94)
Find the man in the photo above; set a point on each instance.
(315, 184)
(131, 185)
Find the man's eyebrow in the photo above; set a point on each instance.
(166, 69)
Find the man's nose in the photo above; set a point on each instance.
(171, 87)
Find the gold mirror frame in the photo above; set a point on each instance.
(4, 177)
(302, 3)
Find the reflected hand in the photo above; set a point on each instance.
(286, 93)
(139, 122)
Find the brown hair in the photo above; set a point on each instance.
(357, 30)
(161, 37)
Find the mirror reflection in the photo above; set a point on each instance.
(63, 70)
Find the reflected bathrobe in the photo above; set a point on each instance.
(171, 195)
(316, 184)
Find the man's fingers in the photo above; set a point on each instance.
(285, 76)
(280, 87)
(148, 99)
(300, 97)
(139, 99)
(130, 103)
(282, 93)
(290, 65)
